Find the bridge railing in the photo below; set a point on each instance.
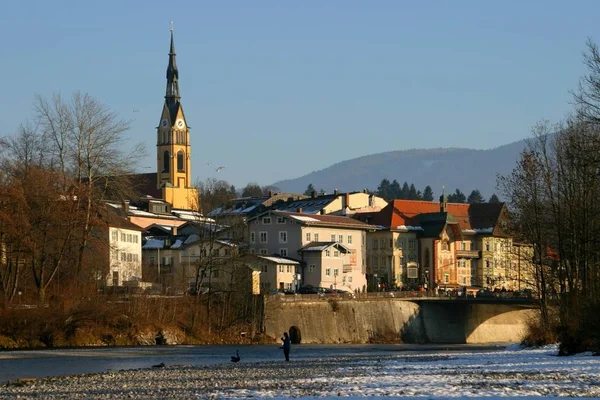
(405, 294)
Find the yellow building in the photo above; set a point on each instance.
(173, 146)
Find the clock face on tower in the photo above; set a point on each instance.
(164, 123)
(180, 124)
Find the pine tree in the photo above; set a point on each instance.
(457, 197)
(428, 193)
(494, 199)
(475, 197)
(383, 190)
(309, 189)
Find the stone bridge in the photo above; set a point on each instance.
(412, 320)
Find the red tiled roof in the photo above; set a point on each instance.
(407, 212)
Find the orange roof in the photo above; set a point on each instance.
(407, 212)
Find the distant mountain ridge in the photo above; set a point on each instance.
(465, 169)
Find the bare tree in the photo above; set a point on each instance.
(86, 140)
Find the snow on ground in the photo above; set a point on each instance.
(514, 372)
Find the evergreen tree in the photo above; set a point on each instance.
(405, 192)
(494, 199)
(457, 197)
(383, 190)
(309, 189)
(428, 193)
(475, 197)
(252, 190)
(413, 194)
(395, 190)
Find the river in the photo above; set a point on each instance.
(56, 362)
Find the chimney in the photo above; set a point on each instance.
(299, 210)
(322, 212)
(125, 206)
(335, 192)
(313, 194)
(174, 231)
(270, 193)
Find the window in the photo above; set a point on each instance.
(411, 244)
(282, 236)
(266, 221)
(252, 251)
(375, 243)
(263, 237)
(180, 164)
(382, 243)
(311, 268)
(391, 243)
(495, 246)
(349, 279)
(383, 261)
(115, 255)
(375, 260)
(135, 239)
(283, 252)
(166, 161)
(336, 253)
(327, 271)
(461, 263)
(263, 251)
(115, 236)
(316, 237)
(464, 280)
(349, 239)
(122, 237)
(341, 238)
(308, 236)
(123, 256)
(129, 238)
(327, 253)
(281, 268)
(487, 247)
(333, 237)
(252, 237)
(265, 268)
(401, 243)
(335, 272)
(280, 220)
(288, 268)
(446, 278)
(445, 245)
(463, 245)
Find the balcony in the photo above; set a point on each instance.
(468, 253)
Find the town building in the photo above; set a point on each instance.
(440, 245)
(331, 249)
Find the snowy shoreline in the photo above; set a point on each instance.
(511, 373)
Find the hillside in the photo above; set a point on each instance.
(466, 169)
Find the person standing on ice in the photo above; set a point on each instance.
(287, 345)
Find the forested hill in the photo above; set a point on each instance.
(465, 169)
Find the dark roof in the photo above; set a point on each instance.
(321, 246)
(323, 220)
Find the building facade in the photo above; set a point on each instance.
(294, 235)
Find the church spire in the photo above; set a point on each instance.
(172, 95)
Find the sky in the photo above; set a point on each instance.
(274, 90)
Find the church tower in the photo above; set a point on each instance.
(173, 148)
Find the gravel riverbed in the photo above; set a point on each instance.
(532, 374)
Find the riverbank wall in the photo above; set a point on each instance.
(389, 320)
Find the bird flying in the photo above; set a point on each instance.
(218, 169)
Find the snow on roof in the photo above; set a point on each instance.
(191, 239)
(177, 244)
(409, 228)
(484, 230)
(303, 218)
(317, 247)
(279, 260)
(154, 244)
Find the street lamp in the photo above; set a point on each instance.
(375, 283)
(19, 293)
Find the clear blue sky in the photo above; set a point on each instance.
(277, 89)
